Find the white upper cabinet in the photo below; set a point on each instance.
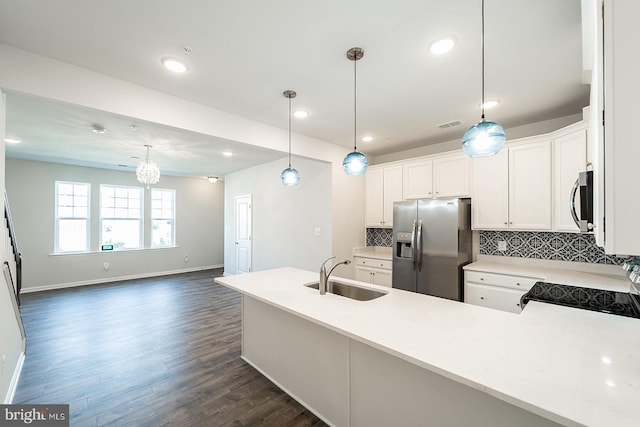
(490, 203)
(512, 190)
(438, 177)
(530, 186)
(417, 180)
(451, 176)
(615, 95)
(383, 186)
(373, 184)
(570, 158)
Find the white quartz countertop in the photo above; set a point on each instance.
(376, 252)
(575, 367)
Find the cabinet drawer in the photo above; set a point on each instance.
(373, 262)
(494, 297)
(502, 280)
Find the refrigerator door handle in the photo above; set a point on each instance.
(419, 244)
(413, 243)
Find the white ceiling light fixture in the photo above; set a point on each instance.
(147, 171)
(290, 177)
(485, 138)
(300, 114)
(174, 65)
(212, 179)
(355, 163)
(367, 138)
(11, 140)
(442, 45)
(227, 153)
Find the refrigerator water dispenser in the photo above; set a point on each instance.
(403, 245)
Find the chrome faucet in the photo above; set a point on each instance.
(324, 276)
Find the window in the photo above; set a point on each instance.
(121, 216)
(162, 217)
(72, 217)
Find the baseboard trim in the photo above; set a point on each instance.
(13, 385)
(115, 279)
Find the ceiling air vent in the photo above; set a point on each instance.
(449, 124)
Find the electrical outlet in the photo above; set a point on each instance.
(502, 245)
(106, 266)
(186, 258)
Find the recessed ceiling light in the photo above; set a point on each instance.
(490, 104)
(98, 129)
(10, 140)
(442, 45)
(367, 138)
(174, 65)
(300, 114)
(227, 153)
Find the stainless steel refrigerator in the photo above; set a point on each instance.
(431, 244)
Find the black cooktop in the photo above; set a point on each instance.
(620, 303)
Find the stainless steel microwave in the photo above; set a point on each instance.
(584, 184)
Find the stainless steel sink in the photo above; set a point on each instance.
(349, 291)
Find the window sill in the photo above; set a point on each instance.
(117, 251)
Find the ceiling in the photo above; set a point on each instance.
(245, 53)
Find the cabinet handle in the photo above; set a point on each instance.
(481, 297)
(510, 223)
(481, 279)
(505, 223)
(518, 284)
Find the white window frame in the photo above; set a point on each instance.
(73, 216)
(172, 217)
(139, 218)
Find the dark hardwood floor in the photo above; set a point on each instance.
(151, 352)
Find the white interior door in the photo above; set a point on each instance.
(243, 233)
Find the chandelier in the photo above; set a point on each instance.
(148, 172)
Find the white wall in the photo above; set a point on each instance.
(31, 190)
(10, 339)
(284, 218)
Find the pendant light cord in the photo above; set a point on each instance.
(289, 131)
(482, 106)
(355, 101)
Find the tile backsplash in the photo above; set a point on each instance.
(525, 244)
(544, 245)
(379, 237)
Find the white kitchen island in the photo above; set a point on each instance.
(409, 359)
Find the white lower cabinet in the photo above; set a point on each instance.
(497, 291)
(373, 270)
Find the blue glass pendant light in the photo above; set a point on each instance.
(290, 177)
(485, 138)
(355, 163)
